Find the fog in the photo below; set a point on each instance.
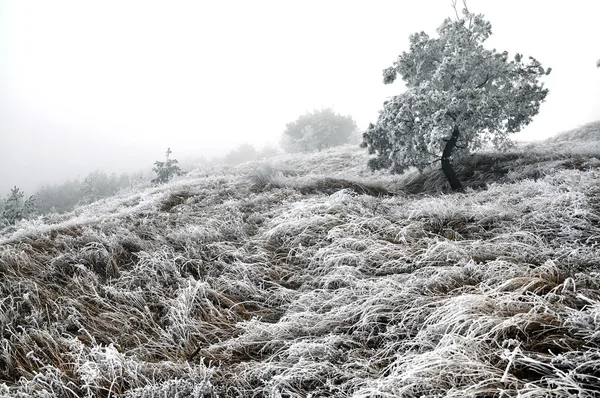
(111, 84)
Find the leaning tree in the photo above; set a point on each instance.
(459, 97)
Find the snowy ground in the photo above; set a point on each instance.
(314, 277)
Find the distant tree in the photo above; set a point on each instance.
(123, 181)
(318, 130)
(355, 138)
(460, 96)
(64, 197)
(91, 186)
(100, 185)
(16, 207)
(243, 153)
(267, 151)
(166, 170)
(58, 198)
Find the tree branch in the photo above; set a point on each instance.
(487, 78)
(455, 10)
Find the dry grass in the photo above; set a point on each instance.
(257, 281)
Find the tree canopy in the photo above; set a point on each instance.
(318, 130)
(459, 97)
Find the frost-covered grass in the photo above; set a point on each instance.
(313, 277)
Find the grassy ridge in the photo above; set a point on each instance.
(314, 277)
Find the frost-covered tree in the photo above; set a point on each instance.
(318, 130)
(166, 170)
(16, 207)
(459, 97)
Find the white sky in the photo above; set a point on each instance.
(110, 85)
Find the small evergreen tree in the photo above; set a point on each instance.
(16, 207)
(166, 170)
(460, 97)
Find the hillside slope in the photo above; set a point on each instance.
(311, 276)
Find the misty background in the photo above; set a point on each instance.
(110, 85)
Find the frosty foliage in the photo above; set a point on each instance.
(242, 282)
(460, 97)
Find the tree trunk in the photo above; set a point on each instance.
(446, 167)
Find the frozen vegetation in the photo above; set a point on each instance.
(311, 276)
